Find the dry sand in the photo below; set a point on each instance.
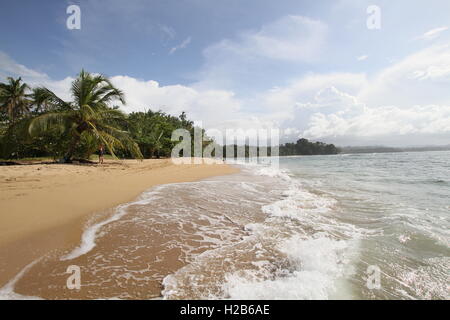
(45, 207)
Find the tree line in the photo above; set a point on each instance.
(305, 147)
(301, 147)
(35, 122)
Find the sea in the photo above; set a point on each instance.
(347, 226)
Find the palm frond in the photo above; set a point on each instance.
(46, 100)
(45, 121)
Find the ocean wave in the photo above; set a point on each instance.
(315, 266)
(91, 232)
(7, 291)
(303, 257)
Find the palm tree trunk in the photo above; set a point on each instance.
(15, 138)
(69, 154)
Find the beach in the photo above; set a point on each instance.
(311, 228)
(45, 207)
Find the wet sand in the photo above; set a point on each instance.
(44, 208)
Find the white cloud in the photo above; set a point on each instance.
(212, 107)
(331, 97)
(362, 58)
(169, 32)
(408, 102)
(215, 108)
(421, 78)
(10, 68)
(290, 39)
(432, 34)
(318, 108)
(310, 88)
(182, 45)
(291, 132)
(218, 109)
(381, 124)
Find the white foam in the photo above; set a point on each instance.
(7, 292)
(91, 233)
(298, 203)
(89, 236)
(403, 238)
(170, 284)
(317, 266)
(272, 171)
(314, 265)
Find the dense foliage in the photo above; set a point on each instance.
(35, 122)
(152, 131)
(305, 147)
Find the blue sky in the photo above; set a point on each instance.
(312, 68)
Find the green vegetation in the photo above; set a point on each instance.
(87, 119)
(301, 147)
(152, 131)
(305, 147)
(35, 122)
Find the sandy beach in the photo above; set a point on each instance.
(45, 207)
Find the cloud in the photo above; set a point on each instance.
(331, 97)
(325, 110)
(214, 108)
(328, 112)
(218, 109)
(405, 103)
(290, 39)
(291, 132)
(362, 58)
(311, 90)
(382, 124)
(421, 78)
(10, 68)
(432, 34)
(182, 45)
(168, 31)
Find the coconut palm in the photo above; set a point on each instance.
(88, 115)
(13, 98)
(42, 100)
(155, 143)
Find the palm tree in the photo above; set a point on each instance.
(13, 98)
(88, 115)
(42, 99)
(155, 143)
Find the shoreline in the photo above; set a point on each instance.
(33, 198)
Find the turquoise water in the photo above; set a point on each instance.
(401, 201)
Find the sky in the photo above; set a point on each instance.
(313, 69)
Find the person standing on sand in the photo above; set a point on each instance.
(101, 152)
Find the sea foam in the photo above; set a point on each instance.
(91, 233)
(315, 267)
(8, 293)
